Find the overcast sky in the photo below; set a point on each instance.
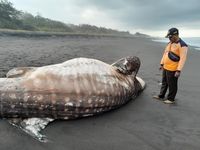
(153, 17)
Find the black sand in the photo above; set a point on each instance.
(142, 124)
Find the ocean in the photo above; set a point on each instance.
(192, 41)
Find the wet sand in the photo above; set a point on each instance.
(143, 123)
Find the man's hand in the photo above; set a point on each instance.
(161, 67)
(177, 74)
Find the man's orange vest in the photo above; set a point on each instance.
(180, 48)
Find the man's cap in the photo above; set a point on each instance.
(172, 31)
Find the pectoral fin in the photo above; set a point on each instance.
(32, 126)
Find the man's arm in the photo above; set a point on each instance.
(183, 56)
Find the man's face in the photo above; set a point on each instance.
(173, 38)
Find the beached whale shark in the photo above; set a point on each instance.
(31, 97)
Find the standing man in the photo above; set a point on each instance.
(172, 63)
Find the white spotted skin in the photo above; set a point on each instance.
(76, 88)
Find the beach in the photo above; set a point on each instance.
(143, 123)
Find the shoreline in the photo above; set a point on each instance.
(165, 41)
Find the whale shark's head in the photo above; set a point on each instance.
(131, 64)
(128, 65)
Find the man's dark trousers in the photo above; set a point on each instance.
(171, 82)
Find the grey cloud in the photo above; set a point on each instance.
(154, 14)
(149, 15)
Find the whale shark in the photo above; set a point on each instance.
(32, 97)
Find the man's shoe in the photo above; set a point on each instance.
(169, 101)
(157, 97)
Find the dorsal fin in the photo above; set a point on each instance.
(19, 72)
